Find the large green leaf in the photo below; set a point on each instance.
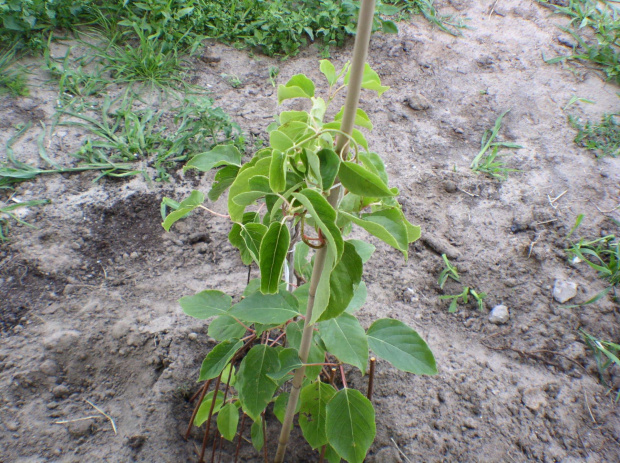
(194, 200)
(254, 386)
(400, 345)
(329, 71)
(273, 251)
(370, 80)
(294, 333)
(206, 304)
(221, 155)
(279, 141)
(266, 308)
(314, 398)
(345, 338)
(324, 216)
(343, 280)
(374, 163)
(223, 179)
(241, 184)
(289, 361)
(350, 424)
(299, 86)
(277, 171)
(205, 406)
(330, 164)
(359, 298)
(364, 249)
(387, 225)
(252, 235)
(257, 435)
(224, 328)
(227, 421)
(360, 181)
(216, 360)
(361, 118)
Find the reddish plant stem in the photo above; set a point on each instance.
(240, 437)
(344, 378)
(202, 393)
(322, 457)
(206, 438)
(371, 377)
(278, 338)
(332, 378)
(215, 442)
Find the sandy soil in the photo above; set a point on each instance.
(88, 307)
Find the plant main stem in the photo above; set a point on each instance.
(360, 52)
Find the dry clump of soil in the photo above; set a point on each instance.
(88, 306)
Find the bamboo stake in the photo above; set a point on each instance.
(360, 52)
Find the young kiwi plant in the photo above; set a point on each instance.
(300, 195)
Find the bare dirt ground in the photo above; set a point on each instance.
(88, 307)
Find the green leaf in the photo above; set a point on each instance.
(360, 181)
(280, 141)
(413, 231)
(205, 406)
(295, 131)
(223, 179)
(247, 198)
(370, 80)
(221, 155)
(302, 266)
(267, 308)
(289, 361)
(331, 455)
(329, 167)
(359, 298)
(364, 250)
(343, 280)
(228, 420)
(324, 216)
(374, 163)
(241, 184)
(361, 118)
(254, 386)
(195, 199)
(345, 338)
(358, 136)
(329, 71)
(252, 235)
(224, 328)
(350, 424)
(256, 433)
(277, 172)
(400, 345)
(206, 304)
(293, 116)
(389, 27)
(218, 358)
(299, 86)
(312, 412)
(387, 225)
(294, 333)
(279, 406)
(273, 251)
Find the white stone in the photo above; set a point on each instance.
(564, 290)
(499, 315)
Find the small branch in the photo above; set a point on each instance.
(202, 392)
(371, 377)
(240, 437)
(344, 378)
(224, 216)
(204, 441)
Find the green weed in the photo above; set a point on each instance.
(449, 272)
(7, 213)
(12, 80)
(491, 163)
(606, 355)
(464, 297)
(233, 80)
(603, 138)
(603, 19)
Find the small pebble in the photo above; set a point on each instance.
(60, 391)
(499, 315)
(449, 186)
(192, 336)
(564, 290)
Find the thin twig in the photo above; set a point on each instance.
(552, 201)
(400, 451)
(344, 378)
(588, 405)
(213, 400)
(202, 392)
(240, 437)
(371, 377)
(224, 216)
(468, 193)
(77, 419)
(103, 413)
